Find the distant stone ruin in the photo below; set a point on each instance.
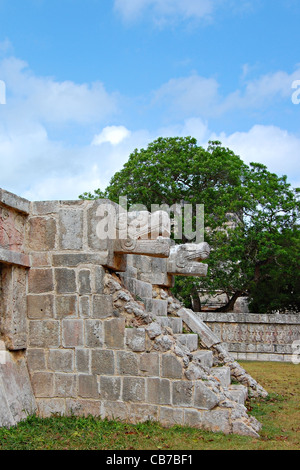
(88, 324)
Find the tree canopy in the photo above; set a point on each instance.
(251, 217)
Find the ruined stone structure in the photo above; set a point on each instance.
(88, 325)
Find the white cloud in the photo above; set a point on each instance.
(276, 148)
(163, 9)
(111, 134)
(201, 96)
(44, 98)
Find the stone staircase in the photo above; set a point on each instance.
(158, 308)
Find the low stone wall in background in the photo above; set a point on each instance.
(256, 336)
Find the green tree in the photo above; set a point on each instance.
(249, 213)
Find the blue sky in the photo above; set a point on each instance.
(88, 82)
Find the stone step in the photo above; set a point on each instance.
(158, 307)
(238, 393)
(190, 340)
(222, 374)
(174, 323)
(140, 289)
(204, 357)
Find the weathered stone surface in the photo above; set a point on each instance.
(72, 333)
(13, 307)
(102, 306)
(133, 389)
(184, 260)
(127, 363)
(149, 364)
(114, 333)
(159, 391)
(44, 334)
(205, 398)
(103, 362)
(82, 360)
(171, 367)
(171, 416)
(71, 229)
(65, 279)
(36, 359)
(66, 306)
(182, 393)
(110, 388)
(65, 385)
(84, 282)
(43, 384)
(94, 334)
(41, 234)
(61, 360)
(40, 307)
(88, 386)
(135, 339)
(40, 281)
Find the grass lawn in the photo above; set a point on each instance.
(279, 414)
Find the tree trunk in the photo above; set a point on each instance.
(195, 300)
(230, 304)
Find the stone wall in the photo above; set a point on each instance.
(257, 336)
(91, 337)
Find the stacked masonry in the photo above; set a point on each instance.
(95, 337)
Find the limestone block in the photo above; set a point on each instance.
(82, 360)
(43, 384)
(127, 363)
(66, 306)
(102, 306)
(61, 360)
(36, 359)
(94, 334)
(207, 337)
(16, 393)
(222, 374)
(159, 307)
(135, 339)
(217, 420)
(72, 333)
(88, 386)
(40, 280)
(83, 407)
(40, 307)
(110, 388)
(149, 364)
(13, 307)
(190, 341)
(114, 333)
(65, 280)
(174, 323)
(72, 260)
(170, 416)
(139, 413)
(71, 229)
(159, 391)
(205, 398)
(44, 334)
(171, 366)
(114, 410)
(103, 362)
(41, 234)
(49, 406)
(84, 282)
(65, 385)
(133, 389)
(84, 306)
(182, 393)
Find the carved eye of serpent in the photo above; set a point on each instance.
(128, 243)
